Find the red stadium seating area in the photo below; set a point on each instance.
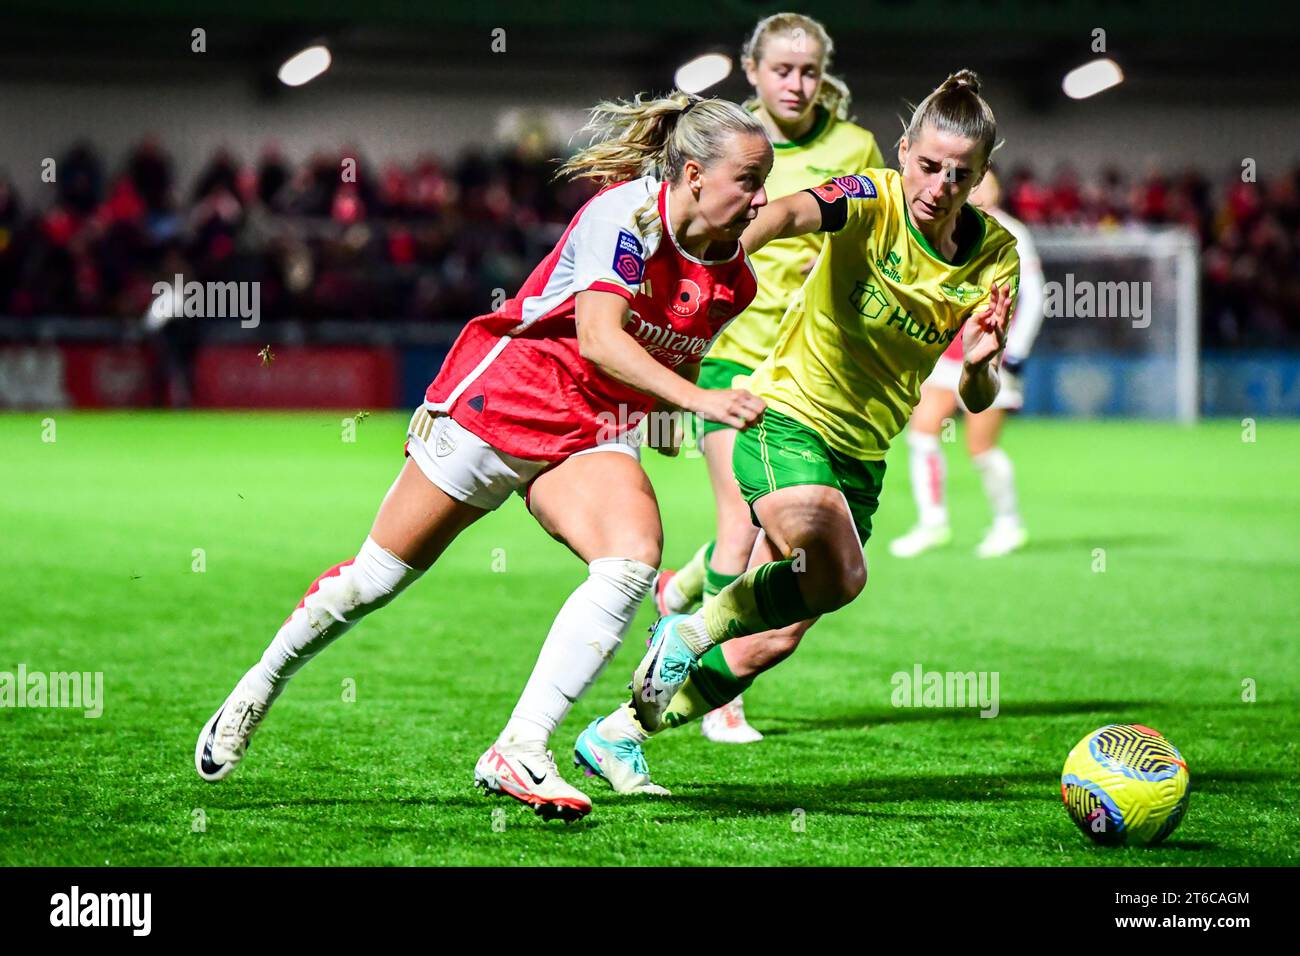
(434, 238)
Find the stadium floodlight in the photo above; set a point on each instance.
(704, 71)
(305, 65)
(1091, 78)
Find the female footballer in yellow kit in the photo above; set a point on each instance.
(906, 263)
(804, 110)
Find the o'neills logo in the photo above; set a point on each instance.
(663, 341)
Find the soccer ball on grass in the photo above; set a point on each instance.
(1125, 784)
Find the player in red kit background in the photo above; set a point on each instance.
(539, 398)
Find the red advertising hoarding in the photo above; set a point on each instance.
(296, 377)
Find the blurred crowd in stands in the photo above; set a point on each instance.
(1249, 236)
(433, 239)
(326, 239)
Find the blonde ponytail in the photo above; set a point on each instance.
(634, 138)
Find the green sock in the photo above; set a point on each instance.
(710, 685)
(715, 581)
(762, 599)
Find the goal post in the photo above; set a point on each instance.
(1121, 324)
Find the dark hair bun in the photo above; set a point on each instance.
(963, 78)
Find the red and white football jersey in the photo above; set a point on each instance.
(515, 377)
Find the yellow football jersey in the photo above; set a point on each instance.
(877, 311)
(833, 147)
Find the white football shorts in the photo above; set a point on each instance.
(471, 470)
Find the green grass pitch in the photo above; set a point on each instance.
(1198, 530)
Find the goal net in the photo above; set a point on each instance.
(1120, 325)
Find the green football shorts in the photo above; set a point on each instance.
(780, 452)
(717, 373)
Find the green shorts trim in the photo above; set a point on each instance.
(780, 452)
(715, 374)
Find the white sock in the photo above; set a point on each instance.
(999, 477)
(586, 633)
(929, 471)
(335, 601)
(622, 725)
(673, 596)
(694, 632)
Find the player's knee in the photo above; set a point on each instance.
(643, 545)
(829, 582)
(855, 580)
(838, 589)
(648, 551)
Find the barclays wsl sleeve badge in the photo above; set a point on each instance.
(856, 187)
(629, 261)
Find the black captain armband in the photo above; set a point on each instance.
(834, 197)
(834, 207)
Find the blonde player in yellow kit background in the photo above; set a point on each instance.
(907, 267)
(804, 110)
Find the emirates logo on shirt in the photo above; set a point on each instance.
(670, 347)
(686, 299)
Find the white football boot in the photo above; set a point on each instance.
(920, 539)
(224, 738)
(1002, 539)
(527, 772)
(620, 763)
(727, 725)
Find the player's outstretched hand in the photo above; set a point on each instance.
(985, 334)
(729, 406)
